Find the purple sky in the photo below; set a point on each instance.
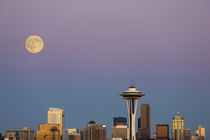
(93, 49)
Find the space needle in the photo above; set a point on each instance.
(132, 96)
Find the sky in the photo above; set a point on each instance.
(93, 50)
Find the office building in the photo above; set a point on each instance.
(120, 121)
(144, 123)
(132, 96)
(187, 134)
(56, 116)
(93, 131)
(48, 132)
(178, 127)
(120, 131)
(12, 135)
(162, 132)
(27, 134)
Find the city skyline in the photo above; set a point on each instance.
(92, 51)
(120, 128)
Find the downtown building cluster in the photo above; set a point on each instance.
(121, 129)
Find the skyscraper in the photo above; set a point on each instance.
(56, 116)
(146, 119)
(178, 127)
(93, 131)
(144, 122)
(120, 129)
(132, 96)
(26, 134)
(162, 132)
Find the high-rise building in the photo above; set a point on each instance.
(162, 132)
(56, 116)
(120, 121)
(12, 135)
(178, 127)
(144, 123)
(132, 96)
(27, 134)
(72, 134)
(120, 131)
(48, 132)
(93, 131)
(201, 132)
(187, 134)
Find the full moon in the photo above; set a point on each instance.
(34, 44)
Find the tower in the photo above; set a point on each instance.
(178, 127)
(132, 96)
(144, 123)
(56, 116)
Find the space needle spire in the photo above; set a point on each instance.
(132, 96)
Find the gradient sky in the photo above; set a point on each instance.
(93, 49)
